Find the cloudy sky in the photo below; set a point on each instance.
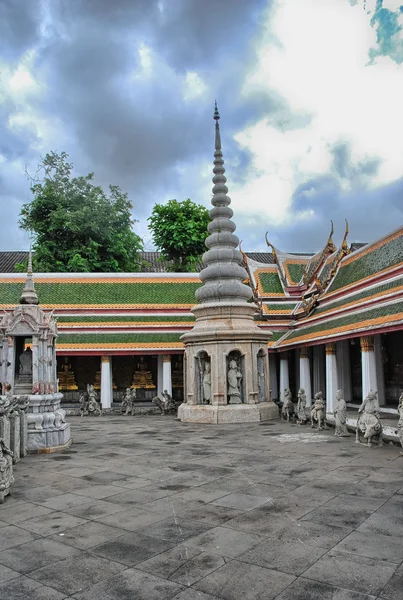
(310, 94)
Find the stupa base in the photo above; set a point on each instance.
(229, 413)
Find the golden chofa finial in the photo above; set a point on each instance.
(330, 246)
(344, 245)
(273, 250)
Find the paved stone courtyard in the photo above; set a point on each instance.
(148, 508)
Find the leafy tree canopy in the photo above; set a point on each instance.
(76, 226)
(179, 230)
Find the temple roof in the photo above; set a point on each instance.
(129, 312)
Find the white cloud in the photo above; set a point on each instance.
(194, 86)
(314, 55)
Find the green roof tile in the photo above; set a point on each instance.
(382, 257)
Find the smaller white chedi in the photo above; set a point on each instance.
(29, 368)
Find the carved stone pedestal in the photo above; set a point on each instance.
(230, 413)
(47, 428)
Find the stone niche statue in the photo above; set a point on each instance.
(89, 403)
(128, 404)
(318, 412)
(400, 422)
(261, 379)
(206, 383)
(6, 470)
(340, 414)
(234, 380)
(302, 418)
(369, 426)
(25, 363)
(288, 410)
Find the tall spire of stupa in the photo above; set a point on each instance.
(224, 273)
(29, 295)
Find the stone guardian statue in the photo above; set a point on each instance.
(340, 415)
(302, 418)
(318, 413)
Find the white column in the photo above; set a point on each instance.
(284, 376)
(380, 377)
(167, 373)
(160, 388)
(319, 383)
(344, 369)
(305, 374)
(368, 365)
(273, 376)
(331, 377)
(106, 382)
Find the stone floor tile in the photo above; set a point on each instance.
(6, 574)
(26, 589)
(38, 494)
(394, 588)
(237, 580)
(88, 535)
(14, 536)
(207, 513)
(34, 555)
(198, 567)
(167, 563)
(99, 491)
(352, 572)
(131, 483)
(51, 523)
(24, 510)
(131, 519)
(291, 557)
(223, 541)
(65, 501)
(95, 510)
(141, 495)
(132, 548)
(306, 589)
(254, 488)
(175, 529)
(378, 523)
(263, 520)
(192, 594)
(132, 585)
(379, 547)
(75, 574)
(243, 502)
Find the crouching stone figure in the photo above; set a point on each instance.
(165, 404)
(369, 426)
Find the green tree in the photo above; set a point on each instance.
(179, 230)
(76, 226)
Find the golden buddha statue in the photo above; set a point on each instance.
(67, 380)
(97, 382)
(142, 377)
